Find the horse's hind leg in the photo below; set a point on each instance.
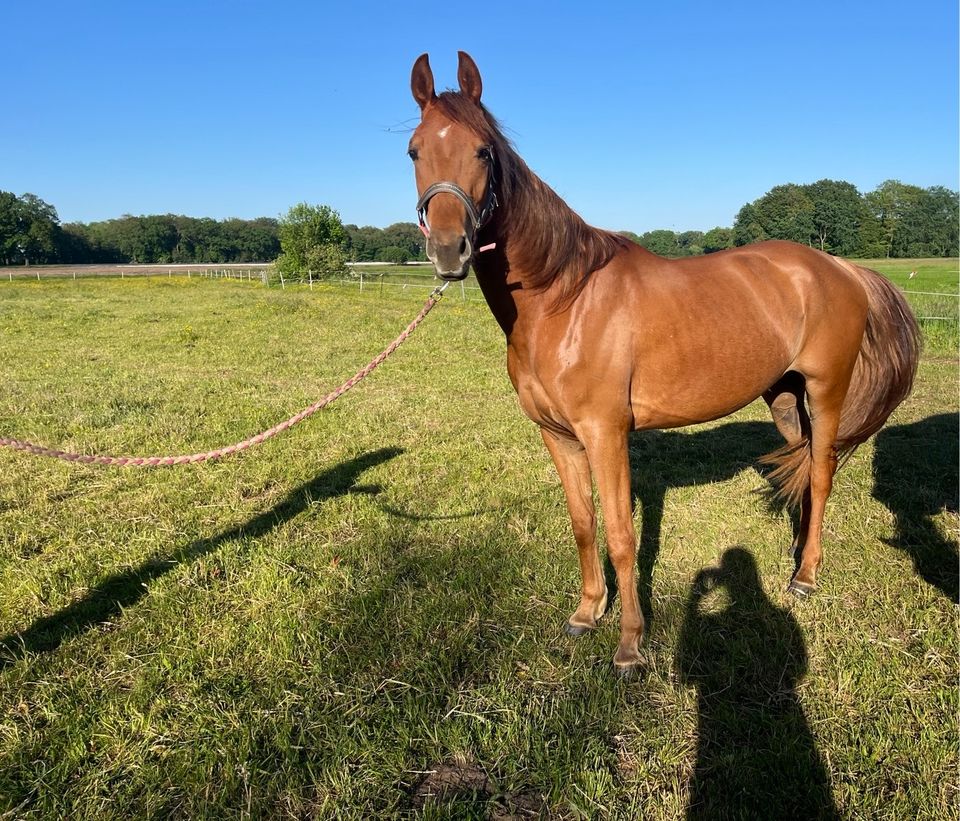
(785, 400)
(571, 461)
(826, 402)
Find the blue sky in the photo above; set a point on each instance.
(641, 115)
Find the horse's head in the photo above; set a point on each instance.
(455, 168)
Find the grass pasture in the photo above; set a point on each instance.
(362, 618)
(933, 294)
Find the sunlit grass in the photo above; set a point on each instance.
(362, 618)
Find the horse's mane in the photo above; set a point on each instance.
(557, 245)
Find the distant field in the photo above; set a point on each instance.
(931, 291)
(931, 274)
(363, 617)
(939, 315)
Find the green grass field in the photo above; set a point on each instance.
(363, 617)
(932, 293)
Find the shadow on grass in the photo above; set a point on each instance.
(661, 460)
(915, 477)
(421, 653)
(756, 756)
(121, 590)
(433, 686)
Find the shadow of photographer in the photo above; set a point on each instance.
(756, 755)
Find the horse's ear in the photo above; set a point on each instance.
(421, 82)
(469, 76)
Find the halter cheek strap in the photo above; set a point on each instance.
(477, 218)
(448, 188)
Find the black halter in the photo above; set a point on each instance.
(477, 218)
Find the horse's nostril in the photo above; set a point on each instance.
(463, 245)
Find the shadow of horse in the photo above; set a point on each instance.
(121, 590)
(661, 460)
(915, 476)
(756, 756)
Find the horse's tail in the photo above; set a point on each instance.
(882, 378)
(884, 371)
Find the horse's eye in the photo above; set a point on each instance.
(413, 153)
(485, 153)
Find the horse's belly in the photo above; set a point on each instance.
(691, 385)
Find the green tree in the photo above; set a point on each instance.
(368, 243)
(747, 227)
(887, 203)
(786, 212)
(838, 216)
(717, 239)
(394, 254)
(29, 230)
(406, 235)
(312, 239)
(942, 208)
(662, 241)
(255, 240)
(872, 244)
(127, 235)
(690, 243)
(362, 243)
(75, 244)
(9, 227)
(928, 225)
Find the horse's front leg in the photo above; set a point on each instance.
(608, 453)
(570, 459)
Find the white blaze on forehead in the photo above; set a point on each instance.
(443, 132)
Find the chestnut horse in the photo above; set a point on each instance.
(604, 337)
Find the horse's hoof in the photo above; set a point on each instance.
(575, 629)
(627, 672)
(801, 590)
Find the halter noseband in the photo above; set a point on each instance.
(478, 218)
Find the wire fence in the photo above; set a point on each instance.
(381, 281)
(932, 308)
(232, 270)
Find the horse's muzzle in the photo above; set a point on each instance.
(450, 255)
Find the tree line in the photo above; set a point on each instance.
(31, 234)
(894, 220)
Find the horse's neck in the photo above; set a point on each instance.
(493, 275)
(501, 275)
(505, 285)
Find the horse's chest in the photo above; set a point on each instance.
(553, 392)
